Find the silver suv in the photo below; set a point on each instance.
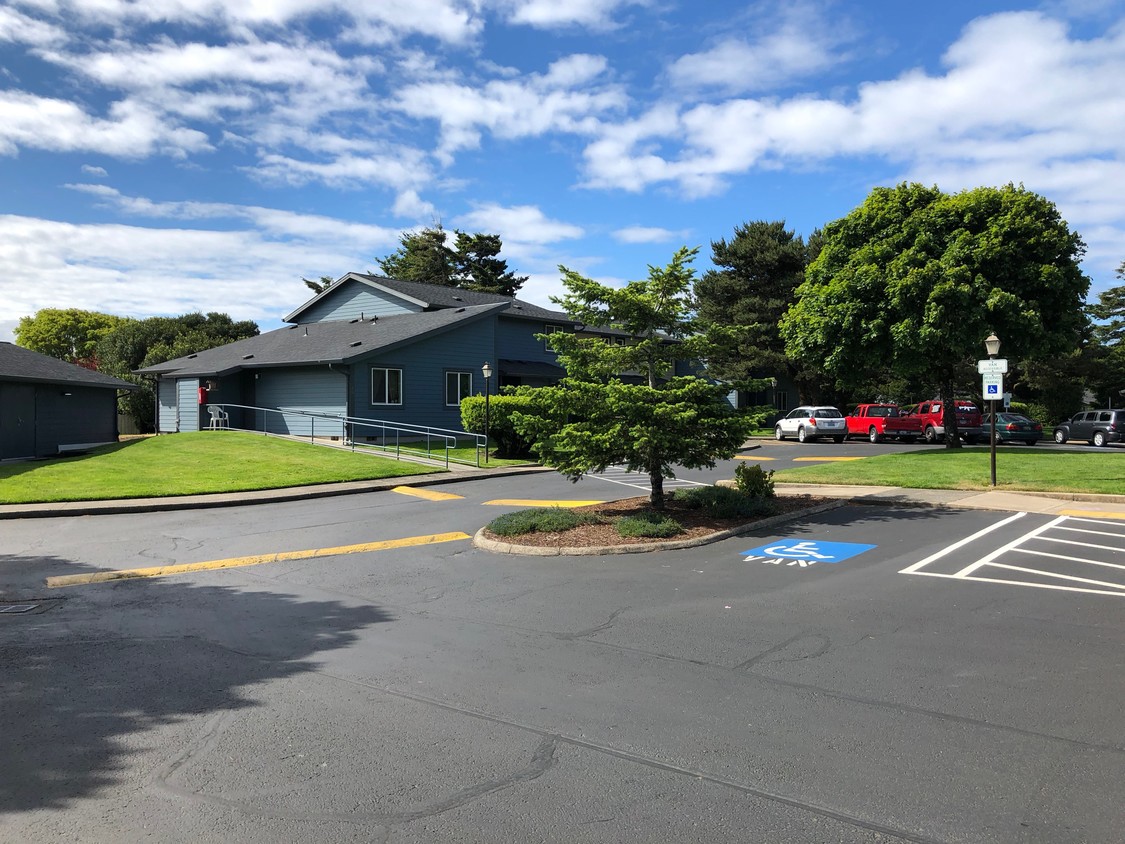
(1097, 427)
(809, 423)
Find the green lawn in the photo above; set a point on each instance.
(191, 463)
(1017, 468)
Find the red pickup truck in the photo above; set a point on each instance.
(880, 421)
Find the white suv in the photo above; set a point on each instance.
(809, 423)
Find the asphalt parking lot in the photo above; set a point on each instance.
(890, 688)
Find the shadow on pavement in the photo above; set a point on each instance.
(83, 683)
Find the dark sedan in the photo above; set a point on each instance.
(1014, 428)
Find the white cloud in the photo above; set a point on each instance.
(520, 225)
(452, 21)
(648, 234)
(18, 28)
(802, 43)
(1019, 101)
(96, 172)
(527, 106)
(409, 204)
(131, 130)
(251, 273)
(551, 14)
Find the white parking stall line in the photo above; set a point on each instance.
(1079, 544)
(1015, 543)
(995, 560)
(914, 569)
(638, 480)
(1118, 586)
(1071, 559)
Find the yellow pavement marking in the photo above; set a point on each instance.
(428, 494)
(1092, 514)
(752, 457)
(827, 459)
(532, 502)
(255, 560)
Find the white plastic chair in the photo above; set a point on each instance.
(220, 420)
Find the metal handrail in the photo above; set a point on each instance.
(347, 426)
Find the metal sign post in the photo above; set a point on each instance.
(992, 387)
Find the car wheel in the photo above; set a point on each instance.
(801, 436)
(999, 439)
(930, 435)
(1099, 439)
(1060, 437)
(873, 434)
(838, 439)
(777, 433)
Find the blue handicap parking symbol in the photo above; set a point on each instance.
(808, 551)
(993, 390)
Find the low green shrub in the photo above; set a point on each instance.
(720, 502)
(754, 482)
(648, 524)
(540, 520)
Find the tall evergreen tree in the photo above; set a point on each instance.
(471, 263)
(739, 304)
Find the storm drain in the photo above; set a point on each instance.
(15, 608)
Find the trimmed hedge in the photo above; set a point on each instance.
(720, 502)
(500, 427)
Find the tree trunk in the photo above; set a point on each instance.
(949, 415)
(656, 497)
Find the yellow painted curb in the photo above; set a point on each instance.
(825, 459)
(255, 560)
(533, 502)
(1092, 514)
(752, 457)
(428, 494)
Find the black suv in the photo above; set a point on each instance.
(1095, 426)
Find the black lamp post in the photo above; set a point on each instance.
(486, 371)
(992, 346)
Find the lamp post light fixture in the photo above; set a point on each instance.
(486, 371)
(992, 346)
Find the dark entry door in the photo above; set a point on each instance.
(17, 421)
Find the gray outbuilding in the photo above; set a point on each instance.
(48, 406)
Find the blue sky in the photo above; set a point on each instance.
(166, 156)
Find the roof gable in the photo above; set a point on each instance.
(416, 295)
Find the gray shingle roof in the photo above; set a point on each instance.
(434, 296)
(20, 364)
(320, 342)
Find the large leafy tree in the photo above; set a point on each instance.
(68, 334)
(739, 304)
(593, 419)
(471, 262)
(916, 279)
(138, 343)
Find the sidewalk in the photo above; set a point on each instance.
(1108, 506)
(1051, 503)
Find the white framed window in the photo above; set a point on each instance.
(386, 386)
(458, 385)
(550, 329)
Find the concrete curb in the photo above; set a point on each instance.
(485, 544)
